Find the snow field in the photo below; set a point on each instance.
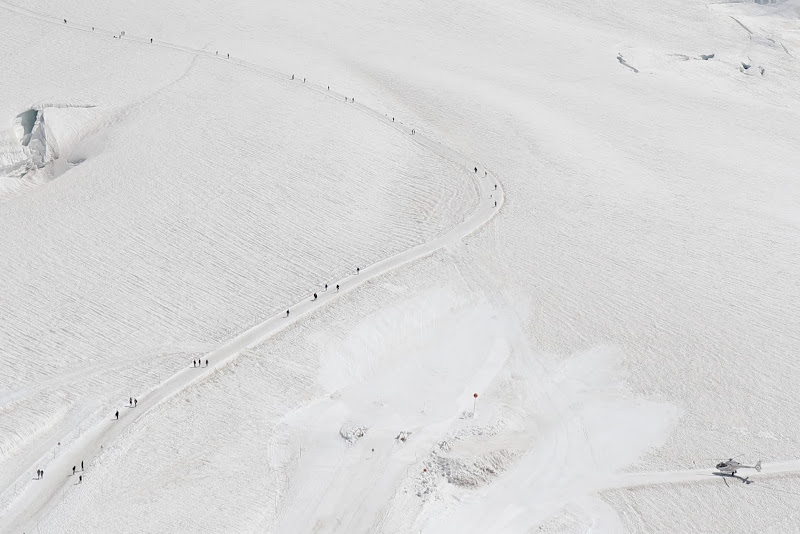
(154, 216)
(653, 214)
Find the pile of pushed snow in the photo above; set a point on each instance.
(466, 459)
(352, 432)
(470, 471)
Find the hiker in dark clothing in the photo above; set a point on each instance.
(287, 313)
(81, 465)
(315, 297)
(358, 270)
(73, 469)
(326, 287)
(337, 288)
(117, 415)
(135, 402)
(206, 363)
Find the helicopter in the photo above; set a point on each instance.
(730, 466)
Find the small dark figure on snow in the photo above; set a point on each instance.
(495, 187)
(358, 270)
(65, 21)
(194, 363)
(81, 465)
(329, 88)
(151, 40)
(495, 203)
(337, 288)
(117, 415)
(304, 80)
(287, 313)
(130, 401)
(80, 479)
(135, 402)
(42, 473)
(206, 363)
(392, 119)
(326, 287)
(73, 469)
(476, 169)
(293, 76)
(315, 297)
(229, 56)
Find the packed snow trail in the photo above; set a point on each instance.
(41, 495)
(632, 480)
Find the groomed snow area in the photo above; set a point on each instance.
(627, 314)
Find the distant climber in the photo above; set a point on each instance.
(117, 415)
(315, 297)
(151, 40)
(293, 76)
(81, 465)
(80, 479)
(130, 401)
(65, 21)
(337, 288)
(206, 363)
(73, 469)
(326, 287)
(476, 169)
(135, 403)
(358, 270)
(287, 313)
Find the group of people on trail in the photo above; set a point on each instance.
(198, 363)
(133, 402)
(39, 474)
(314, 297)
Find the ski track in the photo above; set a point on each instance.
(36, 498)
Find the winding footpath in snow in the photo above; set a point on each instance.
(40, 495)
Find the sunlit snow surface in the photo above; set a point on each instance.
(628, 319)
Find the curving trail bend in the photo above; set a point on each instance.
(36, 498)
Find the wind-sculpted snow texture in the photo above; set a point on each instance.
(629, 317)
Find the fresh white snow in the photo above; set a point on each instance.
(627, 313)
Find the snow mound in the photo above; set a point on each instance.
(468, 472)
(352, 432)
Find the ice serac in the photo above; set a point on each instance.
(28, 145)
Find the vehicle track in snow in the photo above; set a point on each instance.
(35, 498)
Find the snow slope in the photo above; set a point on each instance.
(632, 310)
